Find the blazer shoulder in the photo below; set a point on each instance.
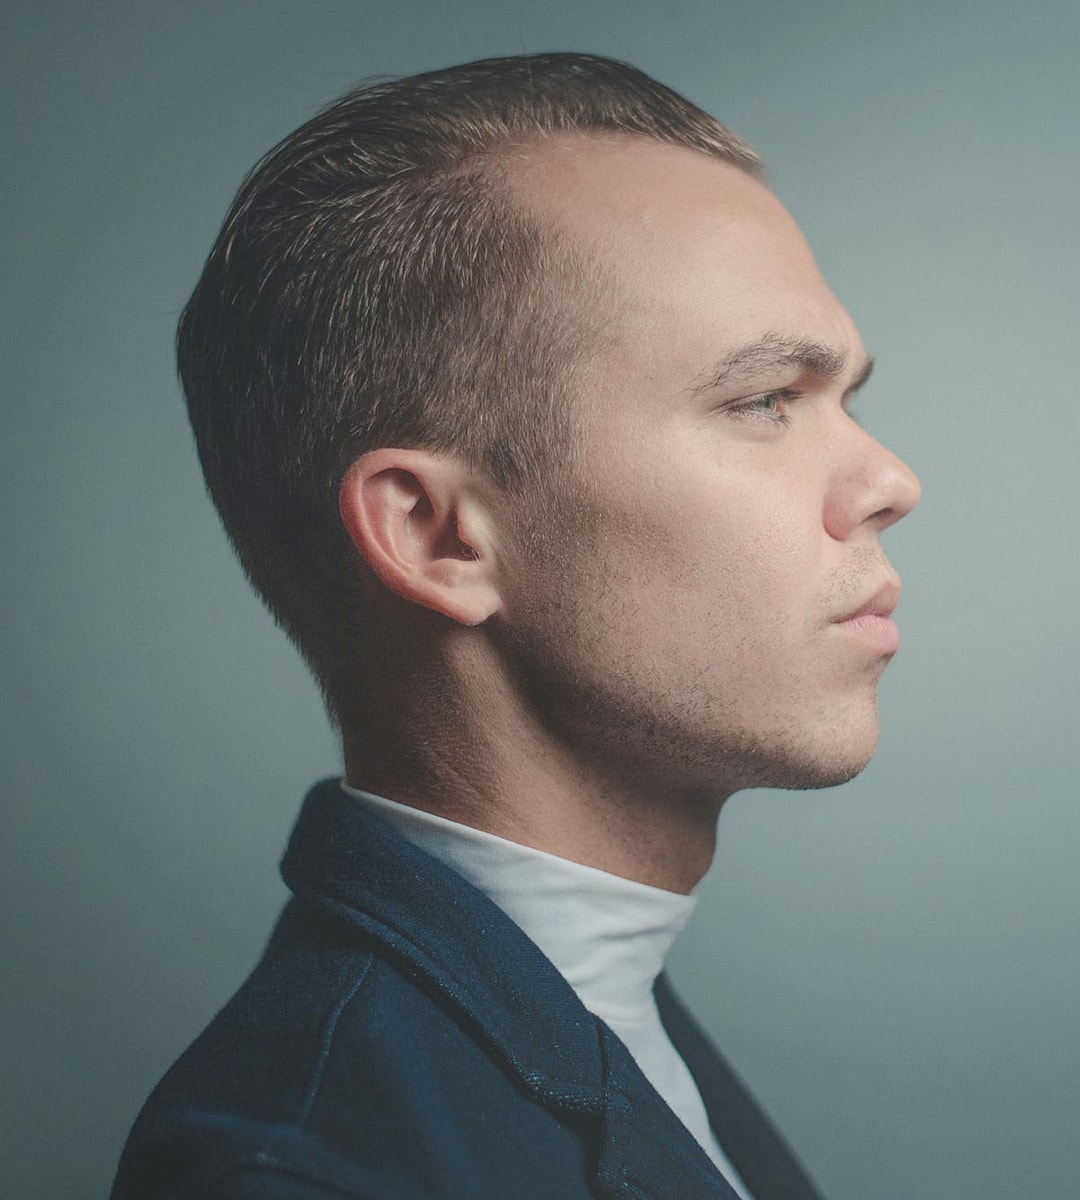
(249, 1080)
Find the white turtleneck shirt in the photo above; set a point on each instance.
(608, 937)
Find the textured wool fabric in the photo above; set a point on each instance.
(402, 1039)
(607, 936)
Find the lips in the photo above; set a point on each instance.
(881, 604)
(871, 622)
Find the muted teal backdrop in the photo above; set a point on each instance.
(894, 964)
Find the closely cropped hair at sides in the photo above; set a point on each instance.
(375, 284)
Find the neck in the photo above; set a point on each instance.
(476, 755)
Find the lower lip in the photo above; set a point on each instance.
(879, 633)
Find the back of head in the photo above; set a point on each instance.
(375, 284)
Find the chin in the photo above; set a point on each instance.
(816, 759)
(809, 776)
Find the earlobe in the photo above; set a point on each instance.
(420, 524)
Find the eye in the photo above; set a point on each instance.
(769, 406)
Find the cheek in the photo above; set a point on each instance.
(745, 552)
(773, 549)
(681, 551)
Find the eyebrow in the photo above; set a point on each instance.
(775, 352)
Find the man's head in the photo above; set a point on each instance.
(571, 377)
(376, 283)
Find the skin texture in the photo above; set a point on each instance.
(596, 673)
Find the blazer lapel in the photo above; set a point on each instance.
(645, 1151)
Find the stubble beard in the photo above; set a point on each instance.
(647, 729)
(643, 731)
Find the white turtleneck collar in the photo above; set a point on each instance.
(606, 935)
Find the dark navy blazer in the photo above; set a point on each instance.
(402, 1039)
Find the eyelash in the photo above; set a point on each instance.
(752, 409)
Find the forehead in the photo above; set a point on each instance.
(693, 245)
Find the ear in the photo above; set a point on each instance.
(420, 520)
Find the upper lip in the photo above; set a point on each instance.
(880, 604)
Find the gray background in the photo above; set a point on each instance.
(893, 964)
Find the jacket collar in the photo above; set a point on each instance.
(459, 944)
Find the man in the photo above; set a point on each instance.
(526, 409)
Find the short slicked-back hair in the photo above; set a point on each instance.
(375, 284)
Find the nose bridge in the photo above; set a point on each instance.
(869, 484)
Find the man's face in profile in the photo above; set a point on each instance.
(690, 617)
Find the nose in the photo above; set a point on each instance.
(870, 487)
